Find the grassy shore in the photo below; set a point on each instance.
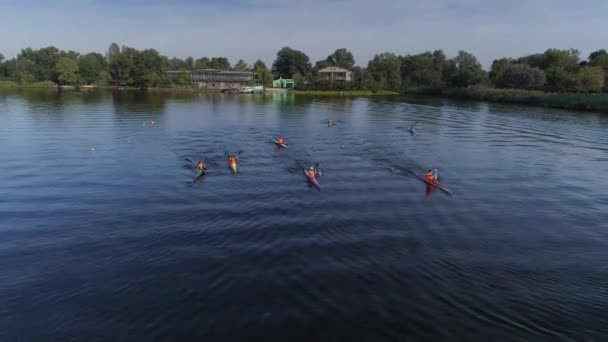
(16, 85)
(343, 93)
(576, 101)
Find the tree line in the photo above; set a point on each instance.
(554, 70)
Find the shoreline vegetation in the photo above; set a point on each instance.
(557, 78)
(571, 101)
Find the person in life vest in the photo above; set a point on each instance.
(431, 175)
(281, 141)
(312, 173)
(233, 159)
(200, 166)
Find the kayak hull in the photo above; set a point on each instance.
(436, 184)
(233, 167)
(312, 180)
(280, 145)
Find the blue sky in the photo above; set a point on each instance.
(252, 29)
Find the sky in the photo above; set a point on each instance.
(257, 29)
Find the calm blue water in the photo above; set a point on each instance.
(118, 243)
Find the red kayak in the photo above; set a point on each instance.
(436, 184)
(312, 180)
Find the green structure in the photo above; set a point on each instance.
(283, 83)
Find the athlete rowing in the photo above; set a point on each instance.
(280, 142)
(311, 174)
(232, 160)
(431, 179)
(200, 166)
(431, 175)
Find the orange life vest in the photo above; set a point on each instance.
(311, 173)
(430, 177)
(281, 141)
(200, 166)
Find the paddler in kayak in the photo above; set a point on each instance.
(200, 166)
(312, 172)
(431, 175)
(281, 141)
(233, 160)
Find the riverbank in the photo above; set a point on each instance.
(343, 93)
(575, 101)
(17, 85)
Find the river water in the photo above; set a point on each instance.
(105, 236)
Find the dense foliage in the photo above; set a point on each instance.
(554, 70)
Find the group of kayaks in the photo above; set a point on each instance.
(312, 176)
(233, 163)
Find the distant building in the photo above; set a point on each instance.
(335, 74)
(283, 83)
(213, 78)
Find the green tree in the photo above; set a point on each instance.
(182, 79)
(241, 65)
(521, 76)
(498, 68)
(385, 69)
(1, 58)
(299, 81)
(113, 51)
(220, 63)
(536, 60)
(290, 62)
(24, 70)
(201, 63)
(189, 63)
(103, 78)
(341, 58)
(177, 64)
(67, 68)
(147, 65)
(599, 58)
(567, 60)
(467, 70)
(559, 79)
(8, 69)
(591, 79)
(121, 65)
(262, 74)
(358, 75)
(423, 70)
(90, 66)
(44, 61)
